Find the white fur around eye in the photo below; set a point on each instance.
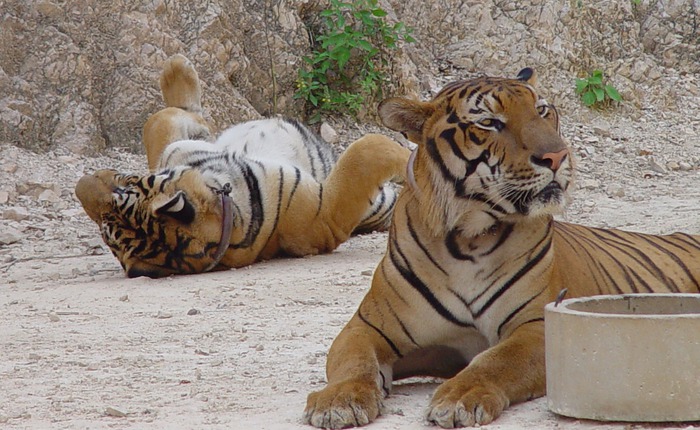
(168, 203)
(121, 196)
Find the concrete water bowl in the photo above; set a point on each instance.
(632, 357)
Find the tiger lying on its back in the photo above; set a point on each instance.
(473, 257)
(264, 188)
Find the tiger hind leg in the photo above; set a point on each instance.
(322, 216)
(378, 216)
(182, 118)
(357, 197)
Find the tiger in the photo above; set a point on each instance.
(262, 189)
(474, 254)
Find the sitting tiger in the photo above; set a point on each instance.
(262, 189)
(474, 255)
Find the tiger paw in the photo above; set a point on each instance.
(346, 404)
(456, 404)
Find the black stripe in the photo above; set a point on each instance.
(401, 324)
(522, 272)
(431, 146)
(453, 118)
(409, 276)
(414, 235)
(671, 255)
(453, 247)
(505, 234)
(392, 286)
(582, 244)
(381, 333)
(297, 179)
(257, 212)
(518, 309)
(473, 164)
(280, 195)
(640, 280)
(379, 202)
(449, 136)
(642, 259)
(611, 279)
(474, 138)
(320, 198)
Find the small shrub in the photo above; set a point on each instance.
(347, 65)
(594, 91)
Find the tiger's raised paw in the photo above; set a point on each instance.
(455, 404)
(342, 405)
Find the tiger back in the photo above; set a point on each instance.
(264, 188)
(473, 256)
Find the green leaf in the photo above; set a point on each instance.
(588, 98)
(612, 93)
(334, 40)
(313, 99)
(379, 12)
(341, 55)
(581, 85)
(599, 94)
(595, 80)
(598, 74)
(363, 44)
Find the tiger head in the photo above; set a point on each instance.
(159, 224)
(489, 151)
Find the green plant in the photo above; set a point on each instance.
(594, 91)
(348, 62)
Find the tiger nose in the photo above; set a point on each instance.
(550, 160)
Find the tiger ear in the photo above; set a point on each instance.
(527, 75)
(176, 207)
(405, 116)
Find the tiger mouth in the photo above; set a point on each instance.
(552, 192)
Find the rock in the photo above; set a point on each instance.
(656, 167)
(685, 166)
(10, 168)
(193, 312)
(672, 165)
(112, 412)
(616, 190)
(602, 129)
(4, 197)
(35, 189)
(328, 133)
(16, 213)
(9, 235)
(589, 150)
(590, 184)
(48, 196)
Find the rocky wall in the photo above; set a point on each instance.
(82, 74)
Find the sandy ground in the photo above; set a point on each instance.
(84, 347)
(100, 351)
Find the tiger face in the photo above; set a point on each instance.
(489, 150)
(156, 225)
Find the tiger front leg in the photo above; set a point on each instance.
(510, 372)
(358, 370)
